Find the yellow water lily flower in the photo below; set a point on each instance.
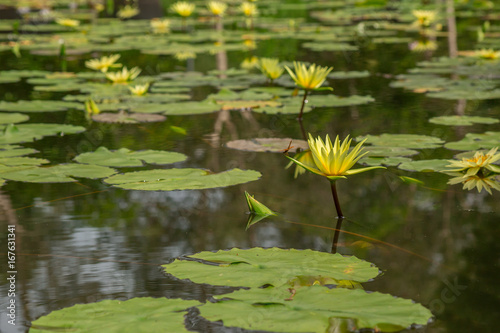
(127, 12)
(124, 75)
(139, 89)
(423, 45)
(424, 17)
(270, 67)
(306, 158)
(249, 63)
(104, 63)
(183, 8)
(308, 78)
(487, 54)
(334, 161)
(68, 22)
(475, 181)
(185, 55)
(217, 7)
(249, 9)
(160, 26)
(480, 164)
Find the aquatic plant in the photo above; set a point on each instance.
(487, 54)
(249, 9)
(183, 8)
(159, 26)
(270, 67)
(139, 90)
(424, 17)
(127, 12)
(104, 63)
(124, 75)
(217, 8)
(68, 22)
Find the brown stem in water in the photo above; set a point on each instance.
(303, 105)
(336, 235)
(336, 200)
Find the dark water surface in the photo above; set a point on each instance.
(85, 242)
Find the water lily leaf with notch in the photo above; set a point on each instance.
(124, 157)
(425, 165)
(30, 132)
(402, 140)
(61, 173)
(474, 141)
(127, 118)
(257, 267)
(314, 309)
(181, 179)
(338, 101)
(12, 118)
(269, 145)
(142, 314)
(38, 106)
(462, 120)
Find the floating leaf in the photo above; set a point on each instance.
(243, 105)
(384, 161)
(425, 165)
(38, 106)
(314, 309)
(332, 46)
(19, 161)
(56, 174)
(124, 157)
(123, 117)
(12, 118)
(142, 314)
(271, 145)
(462, 120)
(257, 267)
(31, 132)
(338, 101)
(348, 75)
(389, 151)
(12, 151)
(402, 140)
(473, 141)
(189, 108)
(181, 179)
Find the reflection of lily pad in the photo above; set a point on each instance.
(257, 267)
(126, 158)
(314, 309)
(56, 174)
(403, 140)
(425, 165)
(12, 118)
(473, 141)
(38, 106)
(274, 145)
(143, 314)
(462, 120)
(181, 179)
(127, 118)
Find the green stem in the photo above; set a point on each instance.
(303, 105)
(336, 200)
(336, 235)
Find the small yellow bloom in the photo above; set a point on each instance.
(308, 78)
(270, 67)
(124, 75)
(334, 161)
(424, 17)
(487, 54)
(423, 46)
(127, 12)
(249, 9)
(183, 8)
(139, 90)
(217, 7)
(160, 26)
(480, 164)
(249, 63)
(99, 7)
(104, 63)
(475, 181)
(184, 55)
(68, 22)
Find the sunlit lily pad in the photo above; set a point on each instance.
(37, 106)
(30, 132)
(124, 157)
(257, 267)
(270, 145)
(181, 179)
(384, 161)
(190, 108)
(123, 117)
(473, 141)
(403, 140)
(331, 46)
(12, 118)
(348, 75)
(338, 101)
(12, 151)
(56, 174)
(462, 120)
(375, 151)
(143, 314)
(314, 309)
(21, 160)
(425, 165)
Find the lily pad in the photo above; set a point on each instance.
(181, 179)
(12, 118)
(144, 314)
(38, 106)
(123, 117)
(462, 120)
(348, 75)
(425, 165)
(127, 158)
(270, 145)
(384, 161)
(257, 267)
(402, 140)
(62, 173)
(314, 309)
(338, 101)
(19, 161)
(30, 132)
(474, 141)
(188, 108)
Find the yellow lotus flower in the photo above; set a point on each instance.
(334, 161)
(249, 63)
(68, 22)
(104, 63)
(306, 158)
(424, 17)
(309, 78)
(184, 55)
(270, 67)
(124, 75)
(475, 181)
(249, 9)
(479, 164)
(423, 45)
(487, 54)
(160, 26)
(217, 7)
(139, 90)
(127, 12)
(183, 8)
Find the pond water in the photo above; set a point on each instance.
(84, 241)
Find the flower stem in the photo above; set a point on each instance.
(336, 235)
(303, 105)
(336, 200)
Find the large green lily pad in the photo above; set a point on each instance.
(181, 179)
(314, 309)
(462, 120)
(124, 157)
(30, 132)
(273, 145)
(414, 141)
(12, 118)
(136, 315)
(257, 267)
(62, 173)
(38, 106)
(425, 165)
(338, 101)
(474, 141)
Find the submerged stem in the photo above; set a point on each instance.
(336, 235)
(336, 200)
(303, 105)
